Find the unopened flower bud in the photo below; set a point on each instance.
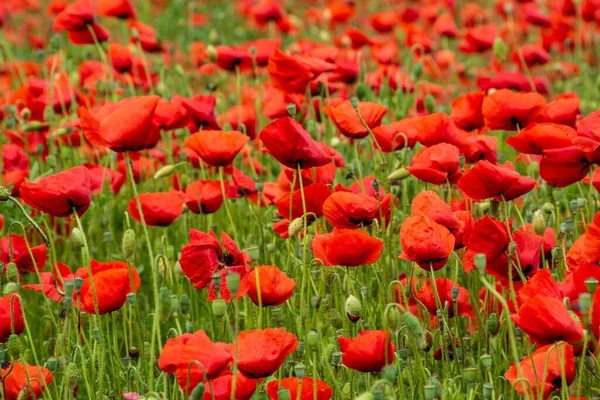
(392, 319)
(429, 103)
(25, 114)
(500, 48)
(296, 226)
(493, 324)
(9, 288)
(353, 308)
(184, 304)
(212, 53)
(4, 193)
(354, 102)
(164, 172)
(14, 346)
(78, 238)
(291, 109)
(12, 272)
(538, 223)
(128, 244)
(399, 174)
(198, 392)
(480, 262)
(72, 374)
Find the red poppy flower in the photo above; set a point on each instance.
(220, 387)
(588, 133)
(146, 36)
(292, 146)
(217, 148)
(14, 158)
(444, 286)
(369, 352)
(203, 256)
(481, 147)
(479, 39)
(306, 387)
(169, 116)
(204, 197)
(428, 203)
(123, 126)
(20, 254)
(200, 109)
(143, 167)
(292, 74)
(543, 136)
(261, 352)
(544, 371)
(19, 378)
(121, 57)
(565, 166)
(315, 196)
(425, 242)
(48, 285)
(396, 136)
(463, 233)
(183, 355)
(241, 115)
(591, 245)
(112, 281)
(546, 320)
(489, 237)
(509, 111)
(350, 211)
(347, 121)
(78, 19)
(275, 287)
(444, 26)
(116, 8)
(486, 180)
(60, 194)
(562, 111)
(11, 321)
(466, 111)
(438, 128)
(159, 209)
(436, 164)
(346, 247)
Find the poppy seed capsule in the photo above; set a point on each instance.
(585, 301)
(470, 374)
(128, 244)
(291, 109)
(353, 308)
(300, 370)
(591, 284)
(184, 304)
(219, 308)
(486, 361)
(233, 282)
(312, 339)
(430, 392)
(283, 394)
(488, 389)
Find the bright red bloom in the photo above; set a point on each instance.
(204, 197)
(588, 133)
(221, 386)
(116, 8)
(292, 74)
(20, 254)
(60, 194)
(308, 385)
(14, 158)
(261, 352)
(466, 111)
(315, 196)
(10, 311)
(565, 166)
(489, 237)
(346, 247)
(347, 121)
(532, 55)
(203, 256)
(30, 379)
(425, 242)
(546, 320)
(112, 282)
(292, 146)
(121, 57)
(123, 126)
(436, 164)
(78, 19)
(146, 36)
(428, 203)
(184, 353)
(508, 110)
(275, 286)
(217, 148)
(444, 286)
(543, 370)
(537, 138)
(438, 128)
(47, 285)
(348, 210)
(486, 180)
(200, 109)
(241, 116)
(159, 209)
(369, 352)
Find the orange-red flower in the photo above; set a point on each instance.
(300, 389)
(369, 352)
(112, 281)
(116, 8)
(123, 126)
(345, 118)
(543, 136)
(269, 286)
(466, 111)
(436, 164)
(11, 317)
(21, 378)
(217, 148)
(78, 19)
(346, 247)
(204, 197)
(486, 180)
(221, 386)
(159, 209)
(314, 196)
(60, 194)
(425, 242)
(261, 352)
(20, 253)
(508, 110)
(444, 286)
(349, 210)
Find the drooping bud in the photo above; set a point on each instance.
(500, 49)
(78, 238)
(12, 272)
(392, 319)
(128, 244)
(399, 174)
(354, 102)
(72, 374)
(538, 223)
(296, 226)
(164, 172)
(415, 328)
(14, 346)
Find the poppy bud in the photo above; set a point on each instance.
(291, 109)
(500, 49)
(14, 346)
(585, 300)
(362, 91)
(198, 392)
(415, 328)
(389, 373)
(25, 114)
(590, 363)
(312, 339)
(512, 248)
(335, 318)
(353, 308)
(488, 389)
(9, 288)
(128, 244)
(34, 126)
(211, 52)
(486, 361)
(78, 238)
(430, 392)
(399, 175)
(300, 370)
(296, 226)
(365, 396)
(233, 282)
(480, 262)
(283, 394)
(315, 302)
(591, 284)
(429, 102)
(219, 308)
(470, 374)
(271, 247)
(184, 304)
(12, 272)
(164, 172)
(493, 324)
(417, 71)
(4, 194)
(277, 314)
(254, 253)
(538, 223)
(392, 319)
(72, 374)
(354, 102)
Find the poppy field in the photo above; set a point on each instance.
(299, 199)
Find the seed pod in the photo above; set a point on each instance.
(300, 370)
(184, 304)
(470, 374)
(128, 244)
(391, 319)
(335, 318)
(219, 308)
(283, 394)
(486, 361)
(233, 282)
